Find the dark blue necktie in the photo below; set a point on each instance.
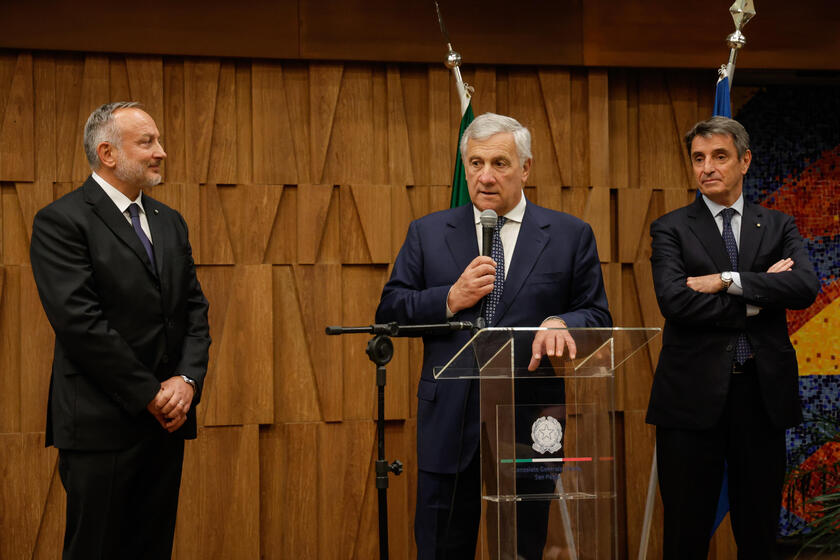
(134, 212)
(497, 253)
(743, 349)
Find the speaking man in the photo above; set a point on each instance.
(544, 271)
(116, 277)
(726, 385)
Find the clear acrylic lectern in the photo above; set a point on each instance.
(547, 440)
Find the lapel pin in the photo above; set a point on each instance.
(757, 224)
(157, 212)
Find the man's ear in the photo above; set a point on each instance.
(526, 169)
(745, 162)
(107, 157)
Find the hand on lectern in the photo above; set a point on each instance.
(551, 342)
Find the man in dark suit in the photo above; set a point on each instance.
(552, 278)
(726, 386)
(116, 277)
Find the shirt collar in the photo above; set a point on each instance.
(515, 215)
(716, 208)
(119, 198)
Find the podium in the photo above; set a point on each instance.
(548, 458)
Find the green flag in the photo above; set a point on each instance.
(460, 193)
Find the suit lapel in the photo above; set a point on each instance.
(460, 236)
(108, 212)
(530, 243)
(703, 225)
(751, 234)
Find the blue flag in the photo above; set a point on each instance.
(723, 108)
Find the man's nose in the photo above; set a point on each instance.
(159, 152)
(708, 168)
(486, 176)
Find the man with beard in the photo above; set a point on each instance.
(116, 277)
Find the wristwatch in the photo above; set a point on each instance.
(189, 380)
(726, 278)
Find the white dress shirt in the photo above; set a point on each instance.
(735, 288)
(508, 234)
(123, 202)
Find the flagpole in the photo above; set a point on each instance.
(460, 194)
(742, 12)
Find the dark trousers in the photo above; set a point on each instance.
(444, 533)
(122, 504)
(439, 534)
(691, 464)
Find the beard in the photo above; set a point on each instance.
(134, 172)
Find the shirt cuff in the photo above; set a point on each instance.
(752, 310)
(449, 313)
(735, 288)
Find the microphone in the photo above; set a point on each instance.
(488, 221)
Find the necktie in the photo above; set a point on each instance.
(134, 212)
(743, 349)
(497, 253)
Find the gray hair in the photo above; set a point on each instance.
(101, 127)
(486, 125)
(720, 125)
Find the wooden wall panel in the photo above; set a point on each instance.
(215, 245)
(44, 76)
(298, 182)
(26, 473)
(10, 349)
(17, 124)
(274, 158)
(556, 85)
(238, 388)
(323, 101)
(527, 106)
(201, 84)
(295, 386)
(250, 212)
(319, 290)
(351, 445)
(312, 208)
(219, 508)
(400, 170)
(289, 488)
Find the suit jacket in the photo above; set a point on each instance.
(120, 327)
(555, 270)
(698, 345)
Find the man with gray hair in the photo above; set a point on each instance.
(116, 277)
(726, 386)
(544, 271)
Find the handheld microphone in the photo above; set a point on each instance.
(488, 221)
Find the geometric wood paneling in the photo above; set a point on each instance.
(239, 379)
(27, 472)
(17, 130)
(298, 181)
(219, 507)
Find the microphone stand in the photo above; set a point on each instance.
(380, 350)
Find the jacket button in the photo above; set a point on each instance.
(729, 348)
